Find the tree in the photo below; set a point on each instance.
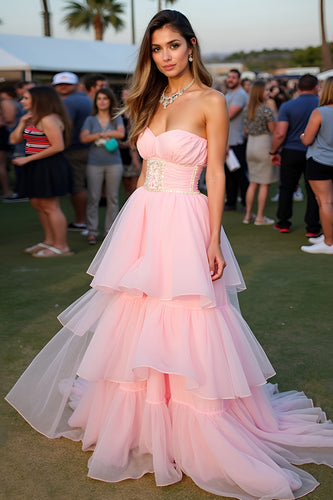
(325, 49)
(46, 18)
(132, 22)
(98, 14)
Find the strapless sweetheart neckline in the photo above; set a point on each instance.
(176, 130)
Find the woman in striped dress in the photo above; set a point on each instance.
(46, 174)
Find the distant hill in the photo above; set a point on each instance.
(272, 59)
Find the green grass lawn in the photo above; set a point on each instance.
(287, 305)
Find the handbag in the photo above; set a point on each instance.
(111, 144)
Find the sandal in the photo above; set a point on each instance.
(92, 239)
(35, 248)
(248, 221)
(49, 251)
(266, 221)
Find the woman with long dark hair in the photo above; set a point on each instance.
(46, 174)
(104, 164)
(155, 369)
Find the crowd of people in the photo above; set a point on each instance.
(70, 123)
(276, 136)
(265, 126)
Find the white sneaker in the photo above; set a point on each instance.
(298, 195)
(276, 197)
(265, 222)
(318, 248)
(316, 240)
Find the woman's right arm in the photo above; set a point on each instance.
(87, 137)
(17, 134)
(271, 126)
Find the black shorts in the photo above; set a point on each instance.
(4, 145)
(317, 171)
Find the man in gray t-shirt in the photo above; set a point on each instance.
(236, 99)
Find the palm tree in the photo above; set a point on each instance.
(46, 18)
(132, 22)
(97, 13)
(325, 48)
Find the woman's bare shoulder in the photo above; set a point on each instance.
(211, 96)
(51, 120)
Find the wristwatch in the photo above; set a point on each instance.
(272, 154)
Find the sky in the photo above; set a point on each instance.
(222, 26)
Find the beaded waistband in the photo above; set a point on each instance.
(172, 177)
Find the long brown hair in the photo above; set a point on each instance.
(112, 98)
(256, 98)
(148, 81)
(326, 96)
(46, 101)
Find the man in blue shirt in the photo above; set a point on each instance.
(79, 106)
(292, 120)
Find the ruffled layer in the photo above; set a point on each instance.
(136, 333)
(150, 404)
(153, 378)
(157, 246)
(240, 448)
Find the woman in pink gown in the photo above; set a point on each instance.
(155, 369)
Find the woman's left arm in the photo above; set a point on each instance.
(312, 128)
(217, 127)
(51, 126)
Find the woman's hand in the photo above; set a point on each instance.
(26, 117)
(16, 135)
(20, 160)
(216, 261)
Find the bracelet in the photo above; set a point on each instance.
(272, 154)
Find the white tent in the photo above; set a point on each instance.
(46, 54)
(325, 74)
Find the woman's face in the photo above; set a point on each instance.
(102, 102)
(26, 100)
(170, 52)
(274, 90)
(124, 95)
(267, 91)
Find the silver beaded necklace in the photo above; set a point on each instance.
(166, 100)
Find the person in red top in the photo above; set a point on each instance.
(46, 174)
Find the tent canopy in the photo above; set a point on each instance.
(325, 74)
(19, 52)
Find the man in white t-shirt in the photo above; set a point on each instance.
(236, 180)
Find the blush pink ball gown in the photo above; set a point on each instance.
(156, 370)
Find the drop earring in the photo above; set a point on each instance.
(190, 58)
